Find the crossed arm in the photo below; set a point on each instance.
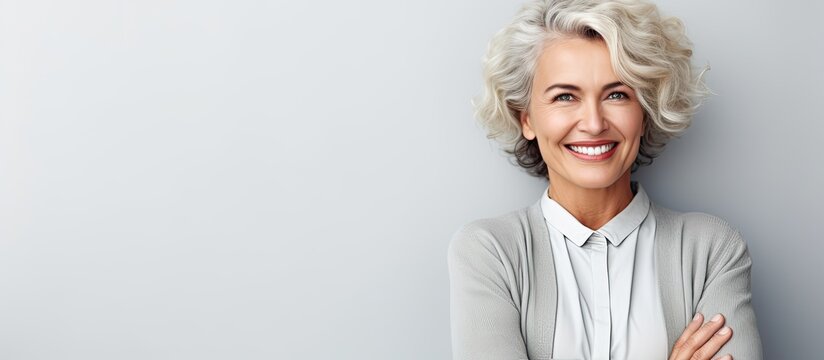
(486, 320)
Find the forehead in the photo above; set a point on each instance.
(575, 60)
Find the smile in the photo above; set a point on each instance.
(600, 152)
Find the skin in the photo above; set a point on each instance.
(593, 192)
(576, 96)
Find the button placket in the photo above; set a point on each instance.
(600, 279)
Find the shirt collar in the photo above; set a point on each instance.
(616, 230)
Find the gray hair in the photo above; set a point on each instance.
(649, 53)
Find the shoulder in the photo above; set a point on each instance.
(703, 233)
(502, 236)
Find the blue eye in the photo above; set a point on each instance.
(617, 96)
(564, 97)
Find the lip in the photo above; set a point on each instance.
(592, 142)
(600, 157)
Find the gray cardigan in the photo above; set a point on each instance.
(504, 295)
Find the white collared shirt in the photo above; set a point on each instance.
(609, 305)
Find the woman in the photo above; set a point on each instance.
(583, 92)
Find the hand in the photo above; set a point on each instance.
(702, 342)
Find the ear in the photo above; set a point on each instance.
(526, 128)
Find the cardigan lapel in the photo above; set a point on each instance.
(544, 294)
(668, 259)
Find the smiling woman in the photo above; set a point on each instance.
(583, 92)
(587, 123)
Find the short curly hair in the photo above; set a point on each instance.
(649, 53)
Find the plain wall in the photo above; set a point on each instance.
(279, 180)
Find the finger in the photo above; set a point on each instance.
(691, 328)
(725, 357)
(714, 344)
(700, 337)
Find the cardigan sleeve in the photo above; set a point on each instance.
(727, 291)
(485, 319)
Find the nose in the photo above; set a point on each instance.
(592, 119)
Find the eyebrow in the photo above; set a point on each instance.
(575, 88)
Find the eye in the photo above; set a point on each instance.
(564, 97)
(618, 95)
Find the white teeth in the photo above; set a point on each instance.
(593, 150)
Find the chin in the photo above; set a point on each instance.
(595, 179)
(594, 184)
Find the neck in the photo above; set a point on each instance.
(592, 207)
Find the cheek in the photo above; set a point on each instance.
(629, 122)
(554, 126)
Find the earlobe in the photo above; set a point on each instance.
(526, 129)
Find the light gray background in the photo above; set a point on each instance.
(279, 180)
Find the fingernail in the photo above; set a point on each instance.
(696, 317)
(726, 357)
(716, 318)
(724, 331)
